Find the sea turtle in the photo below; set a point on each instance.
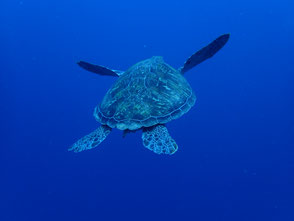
(146, 96)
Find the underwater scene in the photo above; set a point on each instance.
(147, 110)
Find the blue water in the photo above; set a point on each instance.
(236, 145)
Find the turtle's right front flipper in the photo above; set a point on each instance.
(205, 53)
(91, 140)
(98, 69)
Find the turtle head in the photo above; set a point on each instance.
(157, 59)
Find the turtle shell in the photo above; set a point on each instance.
(150, 92)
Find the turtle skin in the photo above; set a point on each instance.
(150, 92)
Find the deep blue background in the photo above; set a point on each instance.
(235, 159)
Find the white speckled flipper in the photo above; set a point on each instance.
(158, 140)
(91, 140)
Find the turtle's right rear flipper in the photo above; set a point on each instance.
(91, 140)
(157, 139)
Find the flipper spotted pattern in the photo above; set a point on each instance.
(158, 140)
(91, 140)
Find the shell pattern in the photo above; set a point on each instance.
(150, 92)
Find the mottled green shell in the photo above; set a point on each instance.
(150, 92)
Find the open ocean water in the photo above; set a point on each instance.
(235, 160)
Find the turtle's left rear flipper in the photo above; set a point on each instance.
(91, 140)
(158, 140)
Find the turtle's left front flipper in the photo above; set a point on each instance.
(91, 140)
(205, 53)
(157, 139)
(98, 69)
